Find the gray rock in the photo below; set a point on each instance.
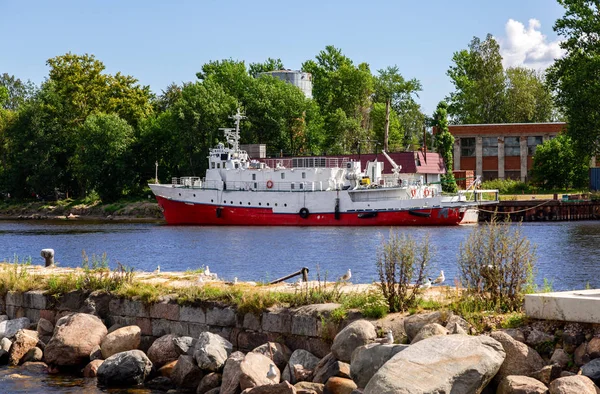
(514, 333)
(25, 340)
(592, 370)
(414, 323)
(355, 334)
(45, 327)
(33, 355)
(211, 351)
(231, 374)
(429, 330)
(451, 364)
(310, 386)
(577, 384)
(521, 385)
(302, 357)
(185, 345)
(8, 328)
(279, 352)
(163, 350)
(560, 358)
(121, 340)
(520, 358)
(537, 337)
(329, 367)
(547, 374)
(5, 344)
(125, 369)
(581, 355)
(279, 388)
(254, 369)
(96, 353)
(366, 360)
(209, 382)
(457, 325)
(161, 383)
(4, 317)
(186, 373)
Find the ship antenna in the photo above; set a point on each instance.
(233, 135)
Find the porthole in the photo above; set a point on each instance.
(275, 204)
(285, 205)
(211, 200)
(248, 202)
(267, 204)
(180, 194)
(259, 203)
(194, 195)
(240, 203)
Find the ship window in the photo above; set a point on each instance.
(240, 203)
(267, 204)
(213, 164)
(259, 203)
(302, 186)
(254, 177)
(283, 175)
(248, 202)
(194, 195)
(211, 200)
(275, 204)
(255, 185)
(180, 194)
(237, 165)
(218, 165)
(293, 186)
(285, 205)
(304, 175)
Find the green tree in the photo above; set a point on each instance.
(103, 155)
(269, 65)
(392, 89)
(444, 142)
(379, 119)
(413, 122)
(18, 92)
(556, 164)
(479, 82)
(575, 76)
(528, 98)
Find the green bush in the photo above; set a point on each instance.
(507, 186)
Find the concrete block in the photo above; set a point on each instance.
(581, 306)
(221, 317)
(279, 321)
(126, 307)
(144, 324)
(14, 298)
(36, 299)
(304, 325)
(14, 312)
(251, 322)
(32, 314)
(72, 301)
(248, 340)
(161, 327)
(224, 332)
(179, 328)
(192, 315)
(167, 311)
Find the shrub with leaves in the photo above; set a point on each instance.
(400, 261)
(497, 264)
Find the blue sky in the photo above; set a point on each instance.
(168, 41)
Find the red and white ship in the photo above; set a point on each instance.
(310, 191)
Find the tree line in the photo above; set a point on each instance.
(84, 130)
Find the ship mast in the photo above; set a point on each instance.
(232, 135)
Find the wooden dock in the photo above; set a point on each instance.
(543, 210)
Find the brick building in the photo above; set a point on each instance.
(500, 150)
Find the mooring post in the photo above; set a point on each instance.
(48, 255)
(303, 272)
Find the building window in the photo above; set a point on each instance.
(490, 146)
(467, 147)
(532, 143)
(512, 146)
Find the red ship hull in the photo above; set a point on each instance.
(182, 213)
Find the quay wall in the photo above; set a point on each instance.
(542, 210)
(308, 327)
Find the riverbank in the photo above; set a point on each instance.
(141, 211)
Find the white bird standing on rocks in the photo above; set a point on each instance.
(235, 280)
(347, 276)
(207, 271)
(389, 338)
(440, 279)
(272, 374)
(157, 270)
(427, 284)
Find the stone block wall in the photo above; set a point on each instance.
(307, 327)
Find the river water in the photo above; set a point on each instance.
(567, 257)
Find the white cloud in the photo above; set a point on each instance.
(528, 46)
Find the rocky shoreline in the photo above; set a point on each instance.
(438, 355)
(137, 211)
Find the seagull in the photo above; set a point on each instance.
(157, 270)
(235, 280)
(426, 285)
(207, 271)
(440, 279)
(346, 276)
(389, 338)
(272, 374)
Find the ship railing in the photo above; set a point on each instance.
(479, 196)
(187, 181)
(197, 183)
(306, 162)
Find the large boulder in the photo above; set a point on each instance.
(355, 334)
(163, 351)
(74, 338)
(366, 360)
(279, 353)
(414, 323)
(254, 369)
(167, 369)
(280, 388)
(520, 358)
(318, 388)
(577, 384)
(209, 382)
(591, 370)
(91, 370)
(211, 351)
(125, 369)
(440, 364)
(5, 344)
(337, 385)
(185, 345)
(25, 340)
(514, 384)
(300, 357)
(429, 330)
(44, 327)
(561, 358)
(33, 355)
(329, 367)
(186, 373)
(8, 328)
(230, 383)
(121, 340)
